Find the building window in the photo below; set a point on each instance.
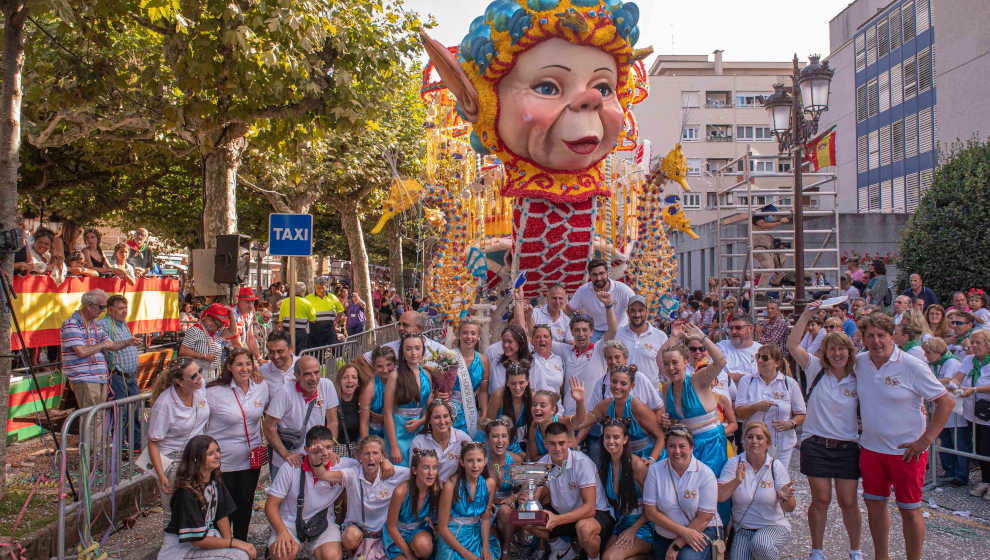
(718, 99)
(762, 166)
(861, 105)
(895, 29)
(784, 166)
(883, 80)
(689, 133)
(871, 45)
(862, 202)
(926, 130)
(896, 86)
(897, 140)
(714, 165)
(908, 21)
(874, 149)
(874, 194)
(910, 78)
(712, 200)
(860, 52)
(873, 96)
(883, 40)
(911, 135)
(912, 191)
(750, 100)
(862, 154)
(886, 202)
(690, 99)
(922, 15)
(898, 192)
(757, 133)
(718, 132)
(885, 145)
(924, 70)
(694, 167)
(691, 200)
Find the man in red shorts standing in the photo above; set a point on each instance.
(892, 386)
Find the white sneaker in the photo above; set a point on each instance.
(979, 489)
(816, 555)
(986, 495)
(855, 555)
(569, 555)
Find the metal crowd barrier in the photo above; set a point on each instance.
(334, 356)
(936, 449)
(106, 442)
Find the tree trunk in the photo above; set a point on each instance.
(220, 189)
(14, 14)
(304, 272)
(395, 254)
(350, 222)
(321, 263)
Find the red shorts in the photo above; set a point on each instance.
(880, 471)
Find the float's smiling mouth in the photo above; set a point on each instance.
(583, 146)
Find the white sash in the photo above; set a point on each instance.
(467, 397)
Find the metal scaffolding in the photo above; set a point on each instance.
(739, 254)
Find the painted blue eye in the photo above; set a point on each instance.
(546, 88)
(605, 89)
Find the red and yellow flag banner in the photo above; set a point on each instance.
(821, 151)
(42, 305)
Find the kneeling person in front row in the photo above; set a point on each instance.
(309, 529)
(576, 493)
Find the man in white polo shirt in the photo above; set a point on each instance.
(642, 339)
(278, 369)
(577, 496)
(321, 479)
(310, 401)
(586, 299)
(410, 322)
(585, 359)
(739, 351)
(892, 386)
(552, 314)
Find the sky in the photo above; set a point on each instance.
(754, 30)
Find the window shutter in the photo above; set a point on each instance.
(885, 145)
(871, 45)
(927, 176)
(860, 52)
(898, 192)
(910, 78)
(924, 70)
(912, 192)
(897, 140)
(862, 203)
(911, 135)
(925, 131)
(861, 104)
(886, 203)
(883, 39)
(895, 29)
(874, 149)
(873, 97)
(884, 88)
(862, 154)
(874, 197)
(908, 21)
(921, 7)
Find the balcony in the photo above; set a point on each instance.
(718, 99)
(718, 133)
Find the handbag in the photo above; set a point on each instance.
(981, 410)
(309, 530)
(345, 449)
(257, 456)
(293, 439)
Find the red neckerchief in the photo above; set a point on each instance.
(306, 399)
(213, 336)
(591, 346)
(307, 468)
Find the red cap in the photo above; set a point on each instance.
(219, 312)
(245, 293)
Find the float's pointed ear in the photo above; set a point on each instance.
(453, 76)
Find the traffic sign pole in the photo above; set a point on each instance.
(292, 303)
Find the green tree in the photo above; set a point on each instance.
(210, 73)
(946, 239)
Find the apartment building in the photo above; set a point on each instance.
(714, 108)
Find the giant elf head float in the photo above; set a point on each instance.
(546, 85)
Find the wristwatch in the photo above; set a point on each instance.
(675, 547)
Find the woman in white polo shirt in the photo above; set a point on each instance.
(441, 437)
(179, 412)
(237, 400)
(956, 434)
(774, 398)
(680, 497)
(975, 383)
(369, 493)
(547, 370)
(829, 446)
(761, 491)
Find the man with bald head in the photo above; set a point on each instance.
(918, 290)
(413, 322)
(296, 407)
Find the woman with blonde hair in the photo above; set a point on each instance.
(773, 397)
(935, 317)
(916, 319)
(829, 450)
(956, 434)
(973, 378)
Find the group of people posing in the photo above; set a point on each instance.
(414, 442)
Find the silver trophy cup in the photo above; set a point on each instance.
(529, 476)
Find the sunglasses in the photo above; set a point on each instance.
(696, 348)
(957, 323)
(764, 357)
(98, 306)
(831, 328)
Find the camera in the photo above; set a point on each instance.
(10, 241)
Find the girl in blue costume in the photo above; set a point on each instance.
(545, 413)
(414, 505)
(646, 437)
(500, 458)
(464, 520)
(623, 475)
(689, 399)
(515, 401)
(406, 394)
(468, 334)
(373, 395)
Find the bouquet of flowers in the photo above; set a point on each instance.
(445, 375)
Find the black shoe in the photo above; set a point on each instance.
(958, 483)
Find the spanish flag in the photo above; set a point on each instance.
(821, 150)
(42, 305)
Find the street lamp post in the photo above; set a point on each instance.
(794, 114)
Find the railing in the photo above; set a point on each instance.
(104, 467)
(334, 356)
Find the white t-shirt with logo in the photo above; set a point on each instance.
(831, 406)
(277, 377)
(586, 301)
(448, 456)
(317, 495)
(676, 495)
(560, 329)
(565, 487)
(754, 502)
(739, 360)
(890, 400)
(374, 496)
(289, 407)
(588, 366)
(546, 374)
(785, 394)
(949, 370)
(172, 423)
(643, 350)
(227, 423)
